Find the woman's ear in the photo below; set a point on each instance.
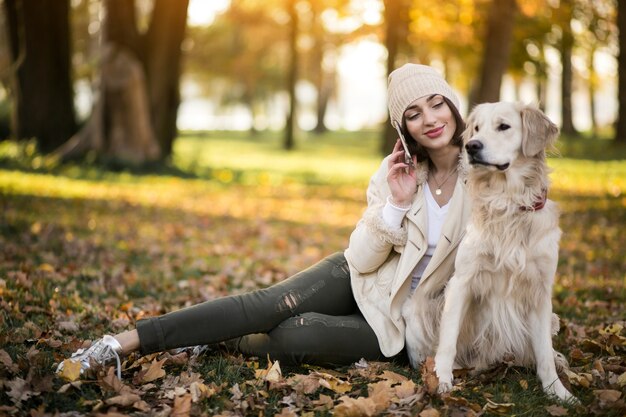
(538, 132)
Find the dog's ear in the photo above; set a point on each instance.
(538, 131)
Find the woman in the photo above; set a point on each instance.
(348, 306)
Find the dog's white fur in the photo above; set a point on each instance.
(498, 303)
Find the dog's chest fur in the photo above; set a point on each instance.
(508, 256)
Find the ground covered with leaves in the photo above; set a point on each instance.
(84, 254)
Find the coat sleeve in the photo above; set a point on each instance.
(372, 240)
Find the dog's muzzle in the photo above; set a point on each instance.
(474, 148)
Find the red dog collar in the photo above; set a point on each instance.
(539, 204)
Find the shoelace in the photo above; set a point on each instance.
(118, 363)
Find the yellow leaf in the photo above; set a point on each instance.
(46, 268)
(272, 373)
(614, 328)
(70, 371)
(524, 384)
(333, 383)
(622, 380)
(498, 408)
(154, 372)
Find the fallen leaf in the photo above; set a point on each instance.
(405, 389)
(556, 410)
(68, 326)
(333, 383)
(19, 391)
(182, 406)
(429, 377)
(46, 268)
(123, 400)
(6, 360)
(431, 412)
(607, 395)
(304, 384)
(524, 384)
(498, 408)
(324, 402)
(355, 407)
(621, 380)
(70, 371)
(381, 393)
(272, 373)
(154, 372)
(286, 412)
(393, 377)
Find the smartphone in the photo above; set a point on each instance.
(407, 155)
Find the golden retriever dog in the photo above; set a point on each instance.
(498, 304)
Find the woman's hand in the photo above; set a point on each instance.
(401, 177)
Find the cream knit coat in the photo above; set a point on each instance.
(381, 258)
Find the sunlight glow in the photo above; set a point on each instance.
(203, 12)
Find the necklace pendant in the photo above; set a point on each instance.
(438, 191)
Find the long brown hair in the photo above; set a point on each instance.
(457, 139)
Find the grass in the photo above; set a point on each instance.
(88, 249)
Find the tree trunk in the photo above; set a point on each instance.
(396, 33)
(592, 92)
(163, 67)
(496, 52)
(134, 116)
(324, 91)
(292, 75)
(620, 128)
(119, 127)
(41, 84)
(567, 76)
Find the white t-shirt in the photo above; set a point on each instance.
(436, 216)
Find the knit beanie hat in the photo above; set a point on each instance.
(413, 81)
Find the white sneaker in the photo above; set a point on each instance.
(100, 351)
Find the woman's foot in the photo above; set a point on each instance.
(101, 351)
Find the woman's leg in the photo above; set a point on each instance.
(315, 338)
(323, 288)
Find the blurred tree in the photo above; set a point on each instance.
(620, 126)
(240, 58)
(41, 88)
(530, 38)
(598, 31)
(397, 21)
(496, 51)
(563, 18)
(292, 73)
(134, 115)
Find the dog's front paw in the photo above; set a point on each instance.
(558, 390)
(444, 387)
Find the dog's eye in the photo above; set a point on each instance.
(476, 128)
(503, 126)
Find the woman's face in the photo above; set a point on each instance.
(430, 122)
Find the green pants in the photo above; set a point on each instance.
(310, 317)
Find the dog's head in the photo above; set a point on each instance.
(497, 134)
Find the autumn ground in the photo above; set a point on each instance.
(88, 250)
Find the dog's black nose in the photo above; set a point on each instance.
(473, 146)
